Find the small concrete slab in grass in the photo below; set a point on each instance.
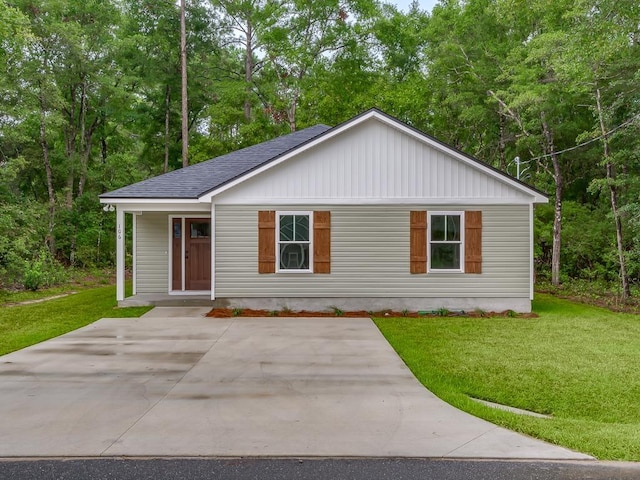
(175, 383)
(507, 408)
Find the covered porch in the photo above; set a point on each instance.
(171, 253)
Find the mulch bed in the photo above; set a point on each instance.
(247, 312)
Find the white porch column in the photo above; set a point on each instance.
(119, 253)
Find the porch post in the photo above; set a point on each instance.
(119, 253)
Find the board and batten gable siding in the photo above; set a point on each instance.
(370, 255)
(372, 163)
(152, 243)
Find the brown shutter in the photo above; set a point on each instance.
(473, 242)
(418, 242)
(266, 242)
(321, 242)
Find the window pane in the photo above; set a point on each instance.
(294, 256)
(200, 230)
(437, 227)
(286, 228)
(453, 228)
(445, 256)
(302, 228)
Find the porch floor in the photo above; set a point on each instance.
(166, 300)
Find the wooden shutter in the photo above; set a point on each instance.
(321, 242)
(418, 242)
(473, 242)
(266, 242)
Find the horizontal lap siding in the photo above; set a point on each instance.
(152, 253)
(370, 256)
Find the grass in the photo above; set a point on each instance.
(25, 325)
(78, 279)
(578, 363)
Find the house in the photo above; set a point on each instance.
(370, 214)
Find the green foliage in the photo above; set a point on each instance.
(43, 271)
(336, 311)
(441, 312)
(588, 246)
(24, 232)
(236, 312)
(95, 86)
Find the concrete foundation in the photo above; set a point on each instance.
(413, 304)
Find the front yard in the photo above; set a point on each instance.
(578, 363)
(24, 325)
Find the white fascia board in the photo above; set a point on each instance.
(163, 206)
(378, 201)
(537, 198)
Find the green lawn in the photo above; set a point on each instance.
(579, 363)
(24, 325)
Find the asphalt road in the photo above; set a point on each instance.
(312, 469)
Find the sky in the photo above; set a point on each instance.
(404, 4)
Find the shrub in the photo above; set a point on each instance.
(43, 271)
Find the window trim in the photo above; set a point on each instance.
(309, 214)
(461, 241)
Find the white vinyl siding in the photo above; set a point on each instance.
(152, 243)
(370, 256)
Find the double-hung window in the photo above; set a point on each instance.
(293, 242)
(446, 242)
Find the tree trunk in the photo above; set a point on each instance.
(557, 214)
(49, 174)
(502, 144)
(613, 191)
(167, 103)
(71, 131)
(291, 111)
(248, 71)
(183, 64)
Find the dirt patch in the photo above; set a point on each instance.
(38, 300)
(248, 312)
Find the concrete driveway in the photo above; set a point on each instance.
(174, 383)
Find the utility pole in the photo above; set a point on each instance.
(183, 65)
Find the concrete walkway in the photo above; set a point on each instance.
(173, 383)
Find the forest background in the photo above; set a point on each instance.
(90, 101)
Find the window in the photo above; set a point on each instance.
(446, 242)
(293, 247)
(200, 229)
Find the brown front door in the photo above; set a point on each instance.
(197, 254)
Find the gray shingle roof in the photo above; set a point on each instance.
(196, 180)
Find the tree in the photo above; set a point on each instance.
(602, 57)
(183, 76)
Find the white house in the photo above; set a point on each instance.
(370, 214)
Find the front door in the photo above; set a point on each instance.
(196, 256)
